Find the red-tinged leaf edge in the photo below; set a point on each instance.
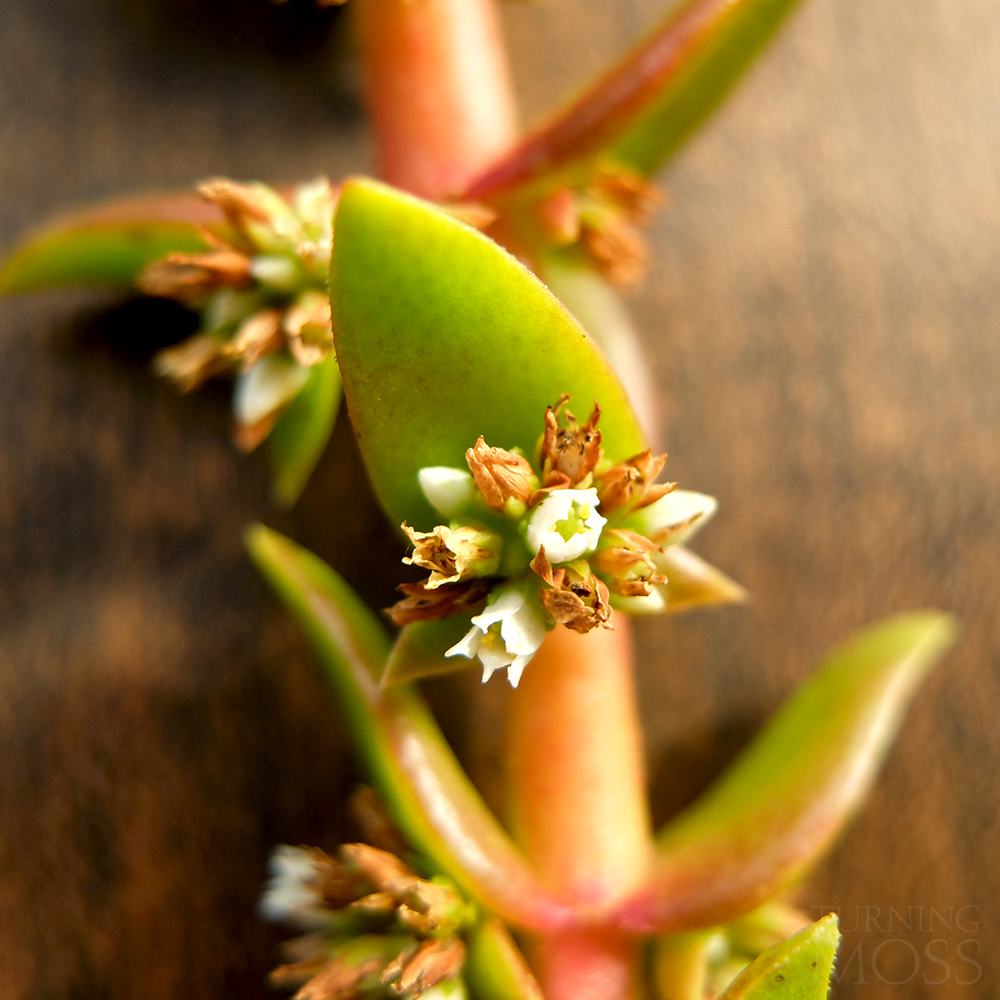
(789, 793)
(410, 764)
(665, 86)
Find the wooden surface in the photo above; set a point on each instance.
(822, 319)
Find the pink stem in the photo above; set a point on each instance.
(438, 90)
(577, 775)
(597, 964)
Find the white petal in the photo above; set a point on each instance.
(493, 655)
(266, 387)
(523, 631)
(504, 602)
(676, 508)
(468, 645)
(515, 670)
(556, 507)
(447, 490)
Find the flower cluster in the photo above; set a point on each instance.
(370, 924)
(260, 289)
(603, 214)
(562, 542)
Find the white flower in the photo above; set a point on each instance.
(290, 895)
(507, 634)
(447, 490)
(566, 522)
(674, 518)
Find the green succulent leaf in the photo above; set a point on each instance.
(494, 968)
(412, 767)
(110, 244)
(442, 336)
(419, 650)
(301, 433)
(644, 108)
(796, 969)
(788, 794)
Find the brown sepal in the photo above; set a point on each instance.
(578, 602)
(571, 452)
(380, 868)
(258, 334)
(190, 276)
(499, 474)
(435, 961)
(192, 361)
(337, 980)
(633, 482)
(423, 605)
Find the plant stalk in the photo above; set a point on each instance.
(578, 788)
(438, 90)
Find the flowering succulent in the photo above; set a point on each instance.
(369, 920)
(560, 542)
(444, 339)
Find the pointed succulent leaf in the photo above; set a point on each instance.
(442, 336)
(419, 650)
(644, 107)
(495, 969)
(430, 797)
(789, 793)
(796, 969)
(301, 433)
(692, 582)
(109, 244)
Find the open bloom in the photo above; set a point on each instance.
(560, 542)
(507, 634)
(567, 524)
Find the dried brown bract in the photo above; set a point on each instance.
(570, 451)
(633, 482)
(574, 596)
(425, 605)
(500, 475)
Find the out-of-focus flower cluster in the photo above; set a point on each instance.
(561, 542)
(260, 290)
(370, 926)
(603, 214)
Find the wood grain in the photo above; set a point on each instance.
(822, 318)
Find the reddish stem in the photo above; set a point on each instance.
(438, 90)
(578, 782)
(597, 964)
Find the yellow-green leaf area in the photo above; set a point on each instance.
(796, 969)
(443, 336)
(113, 253)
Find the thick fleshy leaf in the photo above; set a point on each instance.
(300, 435)
(644, 107)
(109, 244)
(789, 793)
(419, 650)
(442, 336)
(494, 968)
(411, 765)
(796, 969)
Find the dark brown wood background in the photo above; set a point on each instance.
(822, 320)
